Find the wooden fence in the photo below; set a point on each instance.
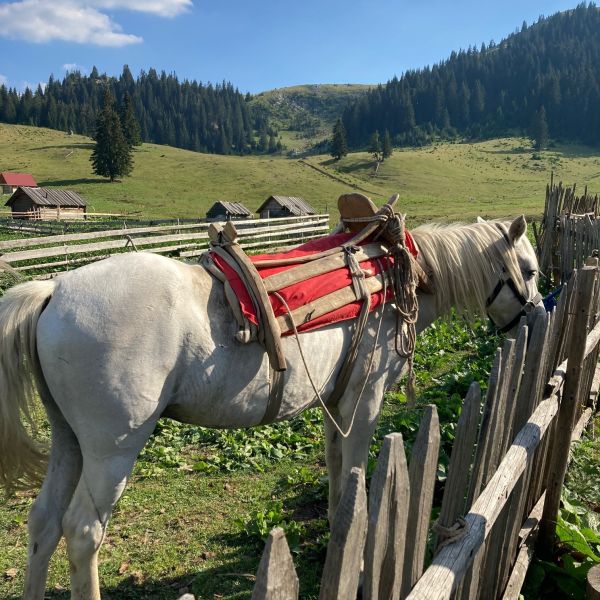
(503, 485)
(569, 232)
(45, 256)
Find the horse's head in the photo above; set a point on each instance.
(515, 292)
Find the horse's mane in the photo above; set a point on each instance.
(465, 261)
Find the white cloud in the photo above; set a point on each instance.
(162, 8)
(79, 21)
(70, 67)
(3, 80)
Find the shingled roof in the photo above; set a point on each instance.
(16, 179)
(296, 205)
(232, 208)
(49, 197)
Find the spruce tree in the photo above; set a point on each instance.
(375, 145)
(540, 129)
(111, 156)
(129, 124)
(386, 150)
(339, 145)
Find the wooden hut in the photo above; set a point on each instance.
(43, 203)
(226, 211)
(284, 206)
(9, 182)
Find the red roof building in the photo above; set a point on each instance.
(11, 181)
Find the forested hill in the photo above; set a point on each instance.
(184, 114)
(496, 90)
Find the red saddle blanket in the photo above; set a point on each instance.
(300, 294)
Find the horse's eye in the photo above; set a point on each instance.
(531, 274)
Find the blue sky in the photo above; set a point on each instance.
(257, 45)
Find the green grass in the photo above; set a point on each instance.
(445, 181)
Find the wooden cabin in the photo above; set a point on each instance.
(284, 206)
(227, 211)
(9, 182)
(46, 204)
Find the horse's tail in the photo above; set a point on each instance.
(22, 462)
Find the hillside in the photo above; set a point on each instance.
(443, 182)
(496, 90)
(305, 114)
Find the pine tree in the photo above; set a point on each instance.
(540, 129)
(339, 145)
(129, 124)
(387, 149)
(375, 145)
(111, 156)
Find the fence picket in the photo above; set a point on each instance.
(453, 501)
(346, 544)
(422, 472)
(276, 578)
(386, 537)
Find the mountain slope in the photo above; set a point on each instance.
(498, 89)
(443, 182)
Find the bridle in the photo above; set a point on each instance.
(526, 305)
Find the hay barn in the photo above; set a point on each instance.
(46, 204)
(227, 211)
(9, 182)
(284, 206)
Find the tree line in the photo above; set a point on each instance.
(549, 70)
(185, 114)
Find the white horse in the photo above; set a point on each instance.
(115, 345)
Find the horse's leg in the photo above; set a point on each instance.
(333, 458)
(45, 517)
(102, 482)
(355, 447)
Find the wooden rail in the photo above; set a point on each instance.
(33, 255)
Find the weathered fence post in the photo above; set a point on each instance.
(422, 472)
(453, 501)
(276, 578)
(568, 408)
(347, 541)
(388, 514)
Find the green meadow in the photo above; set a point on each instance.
(441, 182)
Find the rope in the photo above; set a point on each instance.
(452, 534)
(346, 433)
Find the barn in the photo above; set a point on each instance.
(284, 206)
(226, 211)
(43, 203)
(9, 182)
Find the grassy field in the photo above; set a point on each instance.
(443, 182)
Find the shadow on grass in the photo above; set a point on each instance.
(81, 146)
(80, 181)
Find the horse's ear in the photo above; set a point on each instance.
(480, 220)
(517, 229)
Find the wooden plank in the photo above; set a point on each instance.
(451, 563)
(276, 578)
(528, 538)
(320, 267)
(455, 488)
(422, 472)
(345, 549)
(386, 537)
(568, 408)
(243, 229)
